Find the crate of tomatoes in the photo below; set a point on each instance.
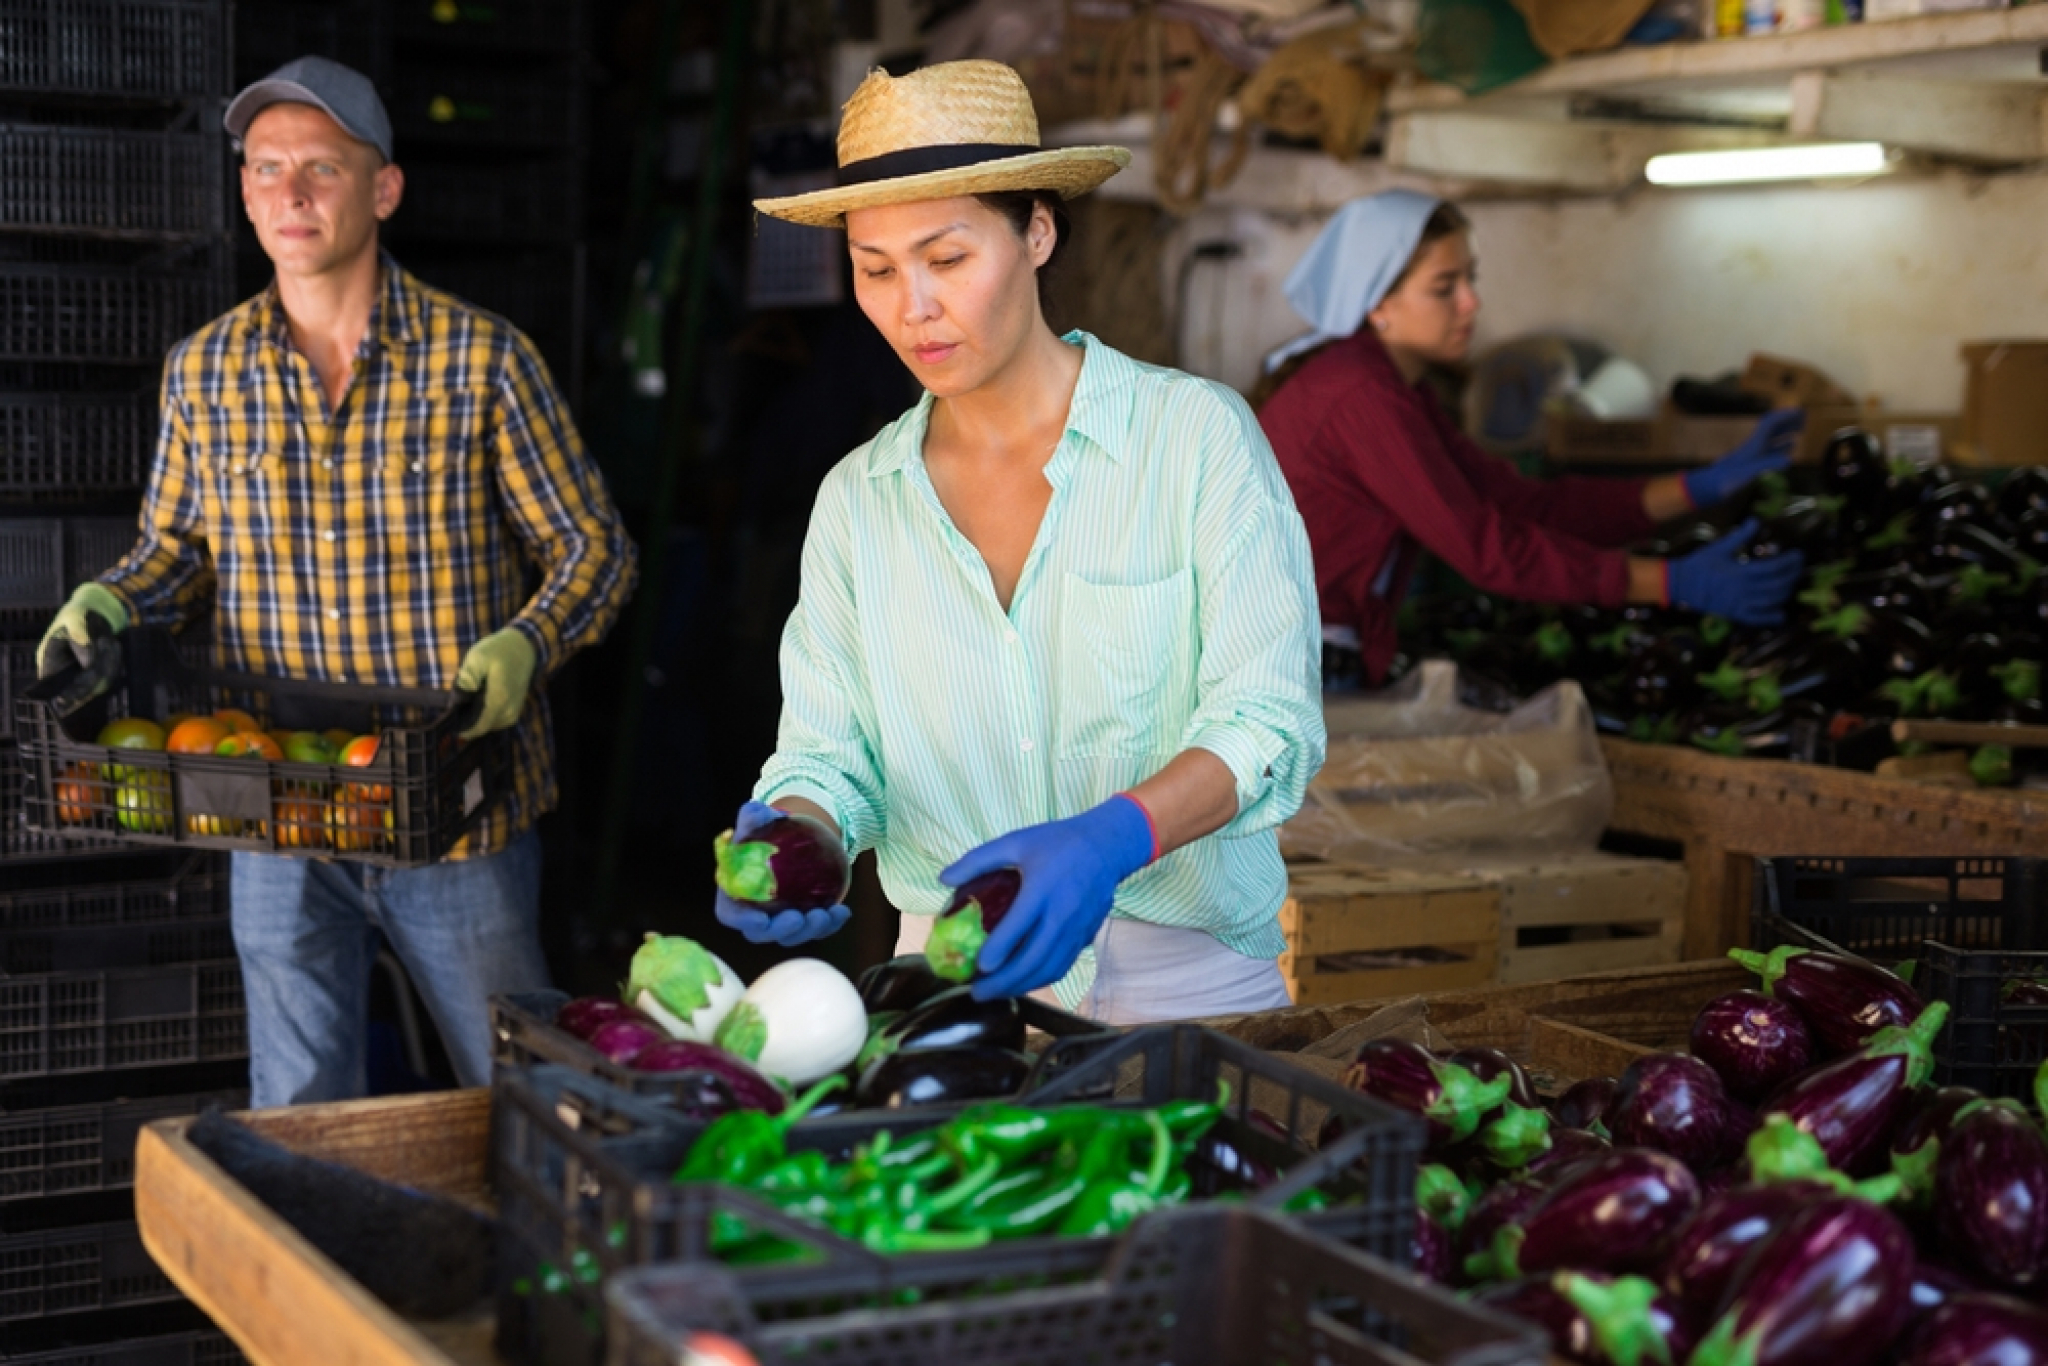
(157, 751)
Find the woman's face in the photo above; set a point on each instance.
(950, 285)
(1431, 313)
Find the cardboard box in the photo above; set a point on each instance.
(1789, 384)
(2005, 403)
(1675, 438)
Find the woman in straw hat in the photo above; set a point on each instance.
(1381, 472)
(1059, 616)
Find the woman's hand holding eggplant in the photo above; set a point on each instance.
(1714, 581)
(1070, 869)
(787, 927)
(1768, 449)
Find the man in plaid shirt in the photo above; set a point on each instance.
(363, 474)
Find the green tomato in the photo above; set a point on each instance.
(143, 803)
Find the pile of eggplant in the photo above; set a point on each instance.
(1792, 1191)
(1923, 596)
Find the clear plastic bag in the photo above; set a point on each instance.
(1415, 779)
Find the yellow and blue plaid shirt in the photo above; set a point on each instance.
(376, 544)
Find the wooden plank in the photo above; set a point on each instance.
(1586, 890)
(1548, 962)
(281, 1300)
(1334, 988)
(1971, 733)
(1319, 926)
(1574, 1052)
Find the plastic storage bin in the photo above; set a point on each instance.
(74, 1149)
(1194, 1286)
(582, 1169)
(122, 49)
(77, 1270)
(1971, 925)
(155, 918)
(105, 314)
(108, 182)
(445, 105)
(57, 443)
(487, 205)
(422, 793)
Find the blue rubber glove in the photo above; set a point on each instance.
(1712, 581)
(1768, 449)
(1071, 869)
(783, 927)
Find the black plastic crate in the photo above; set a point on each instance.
(193, 1347)
(513, 203)
(536, 291)
(582, 1169)
(101, 182)
(77, 1271)
(145, 922)
(1193, 1286)
(135, 49)
(424, 791)
(43, 558)
(106, 314)
(75, 1149)
(1970, 924)
(56, 445)
(523, 1034)
(18, 843)
(547, 27)
(1883, 909)
(71, 1022)
(269, 33)
(442, 104)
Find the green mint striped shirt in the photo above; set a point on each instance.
(1168, 603)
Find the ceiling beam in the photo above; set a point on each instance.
(1987, 121)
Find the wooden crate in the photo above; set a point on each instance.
(1727, 813)
(281, 1300)
(1586, 913)
(1357, 932)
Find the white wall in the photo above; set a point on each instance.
(1876, 284)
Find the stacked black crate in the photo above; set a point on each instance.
(120, 1000)
(486, 105)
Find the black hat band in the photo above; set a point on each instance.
(922, 160)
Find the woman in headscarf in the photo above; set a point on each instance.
(1381, 472)
(1059, 616)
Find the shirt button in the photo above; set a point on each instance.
(419, 467)
(326, 464)
(1025, 745)
(239, 467)
(326, 535)
(334, 614)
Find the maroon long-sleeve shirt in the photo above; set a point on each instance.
(1379, 470)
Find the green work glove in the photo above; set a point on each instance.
(501, 667)
(71, 629)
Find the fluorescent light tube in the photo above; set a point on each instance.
(1736, 165)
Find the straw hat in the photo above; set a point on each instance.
(957, 128)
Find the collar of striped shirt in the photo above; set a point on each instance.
(1101, 409)
(395, 319)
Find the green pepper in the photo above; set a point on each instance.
(1011, 1132)
(738, 1147)
(799, 1173)
(1110, 1203)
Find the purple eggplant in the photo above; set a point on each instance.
(1755, 1043)
(1780, 1151)
(1991, 1197)
(1851, 1104)
(2024, 991)
(1676, 1105)
(748, 1089)
(1618, 1213)
(1488, 1063)
(1916, 1144)
(1829, 1288)
(1597, 1320)
(1980, 1330)
(622, 1038)
(905, 982)
(1237, 1166)
(952, 1019)
(939, 1076)
(1435, 1249)
(1404, 1075)
(786, 863)
(1714, 1243)
(1584, 1104)
(977, 907)
(1933, 1286)
(1845, 1000)
(1566, 1147)
(585, 1015)
(1503, 1204)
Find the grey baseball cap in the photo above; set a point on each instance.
(343, 92)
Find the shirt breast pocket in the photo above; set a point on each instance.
(1126, 677)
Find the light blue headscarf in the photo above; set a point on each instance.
(1351, 265)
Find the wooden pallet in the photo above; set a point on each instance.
(1357, 932)
(1587, 913)
(1727, 813)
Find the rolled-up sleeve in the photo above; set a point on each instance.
(1260, 682)
(167, 579)
(823, 753)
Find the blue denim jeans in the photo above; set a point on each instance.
(306, 933)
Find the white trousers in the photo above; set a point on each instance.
(1146, 973)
